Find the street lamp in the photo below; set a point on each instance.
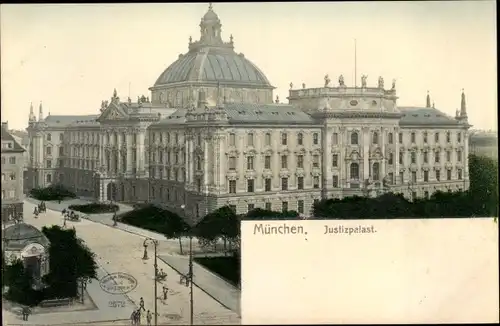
(155, 278)
(84, 280)
(190, 272)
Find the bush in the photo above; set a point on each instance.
(95, 208)
(156, 219)
(53, 192)
(227, 267)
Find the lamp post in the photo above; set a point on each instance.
(190, 272)
(155, 278)
(84, 280)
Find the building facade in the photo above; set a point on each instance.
(212, 135)
(12, 177)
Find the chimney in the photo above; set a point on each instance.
(5, 126)
(202, 100)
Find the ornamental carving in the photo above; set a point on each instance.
(233, 153)
(250, 175)
(232, 176)
(284, 151)
(299, 173)
(267, 151)
(300, 151)
(315, 173)
(354, 155)
(250, 152)
(285, 173)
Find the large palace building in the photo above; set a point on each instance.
(212, 134)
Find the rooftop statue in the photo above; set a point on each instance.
(341, 80)
(380, 82)
(363, 81)
(327, 81)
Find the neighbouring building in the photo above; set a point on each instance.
(28, 244)
(212, 134)
(12, 177)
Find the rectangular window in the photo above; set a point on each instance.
(459, 137)
(335, 138)
(400, 136)
(448, 174)
(316, 182)
(459, 156)
(335, 181)
(401, 177)
(284, 139)
(300, 183)
(413, 137)
(315, 139)
(250, 163)
(250, 185)
(300, 161)
(284, 162)
(414, 177)
(426, 157)
(438, 175)
(413, 157)
(284, 183)
(335, 160)
(250, 139)
(425, 138)
(426, 176)
(232, 163)
(284, 206)
(400, 157)
(232, 139)
(459, 174)
(391, 178)
(250, 207)
(391, 158)
(267, 184)
(315, 161)
(437, 157)
(268, 139)
(49, 164)
(436, 137)
(448, 156)
(232, 186)
(269, 206)
(267, 162)
(300, 207)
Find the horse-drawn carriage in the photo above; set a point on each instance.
(71, 215)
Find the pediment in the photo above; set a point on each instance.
(113, 112)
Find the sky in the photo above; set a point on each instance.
(71, 57)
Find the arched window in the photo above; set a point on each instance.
(375, 138)
(354, 138)
(376, 171)
(354, 171)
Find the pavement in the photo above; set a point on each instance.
(121, 250)
(219, 289)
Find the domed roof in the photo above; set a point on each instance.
(212, 60)
(19, 235)
(213, 66)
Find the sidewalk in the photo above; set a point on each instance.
(103, 313)
(220, 290)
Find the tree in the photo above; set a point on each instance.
(483, 175)
(72, 258)
(264, 214)
(20, 283)
(221, 223)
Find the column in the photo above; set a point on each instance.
(129, 152)
(365, 138)
(276, 160)
(222, 163)
(326, 162)
(384, 161)
(396, 156)
(191, 160)
(138, 150)
(465, 157)
(206, 164)
(119, 153)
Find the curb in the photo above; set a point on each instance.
(203, 290)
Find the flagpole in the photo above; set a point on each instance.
(355, 66)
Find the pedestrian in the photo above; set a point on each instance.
(138, 317)
(165, 292)
(64, 223)
(133, 318)
(149, 317)
(141, 304)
